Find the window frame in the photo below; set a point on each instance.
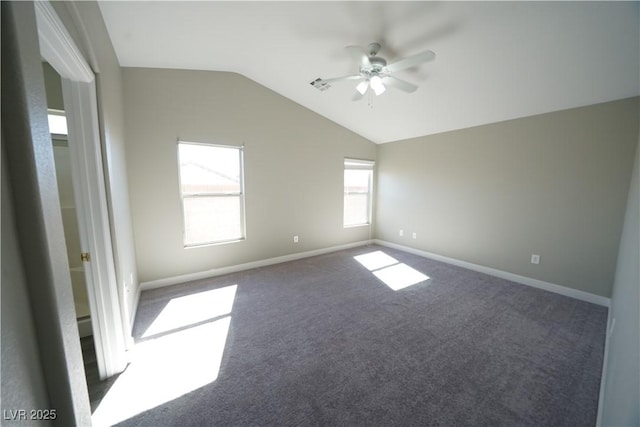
(358, 164)
(240, 194)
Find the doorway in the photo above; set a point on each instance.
(62, 158)
(88, 181)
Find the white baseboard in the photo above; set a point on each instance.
(153, 284)
(551, 287)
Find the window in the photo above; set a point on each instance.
(358, 185)
(211, 186)
(57, 122)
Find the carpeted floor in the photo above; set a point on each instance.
(322, 341)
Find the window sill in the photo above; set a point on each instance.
(203, 245)
(366, 224)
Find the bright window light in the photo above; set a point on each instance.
(57, 122)
(358, 192)
(396, 275)
(211, 187)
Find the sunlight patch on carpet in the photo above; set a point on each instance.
(393, 273)
(376, 260)
(172, 364)
(191, 309)
(400, 276)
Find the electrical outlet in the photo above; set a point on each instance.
(535, 259)
(295, 239)
(401, 232)
(414, 235)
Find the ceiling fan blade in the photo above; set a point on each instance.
(399, 84)
(359, 55)
(343, 78)
(411, 61)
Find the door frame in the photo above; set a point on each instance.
(79, 91)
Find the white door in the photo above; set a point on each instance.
(79, 92)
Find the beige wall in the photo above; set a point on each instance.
(293, 168)
(23, 380)
(554, 185)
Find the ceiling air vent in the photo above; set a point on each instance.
(320, 84)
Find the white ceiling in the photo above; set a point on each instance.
(495, 60)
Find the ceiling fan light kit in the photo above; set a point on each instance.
(375, 73)
(362, 87)
(376, 85)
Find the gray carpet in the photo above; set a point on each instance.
(322, 342)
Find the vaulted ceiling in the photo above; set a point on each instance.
(495, 60)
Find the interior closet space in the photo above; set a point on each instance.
(62, 158)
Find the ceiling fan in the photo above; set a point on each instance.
(375, 74)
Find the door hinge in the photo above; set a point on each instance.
(84, 257)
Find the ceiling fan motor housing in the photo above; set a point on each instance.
(374, 48)
(377, 66)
